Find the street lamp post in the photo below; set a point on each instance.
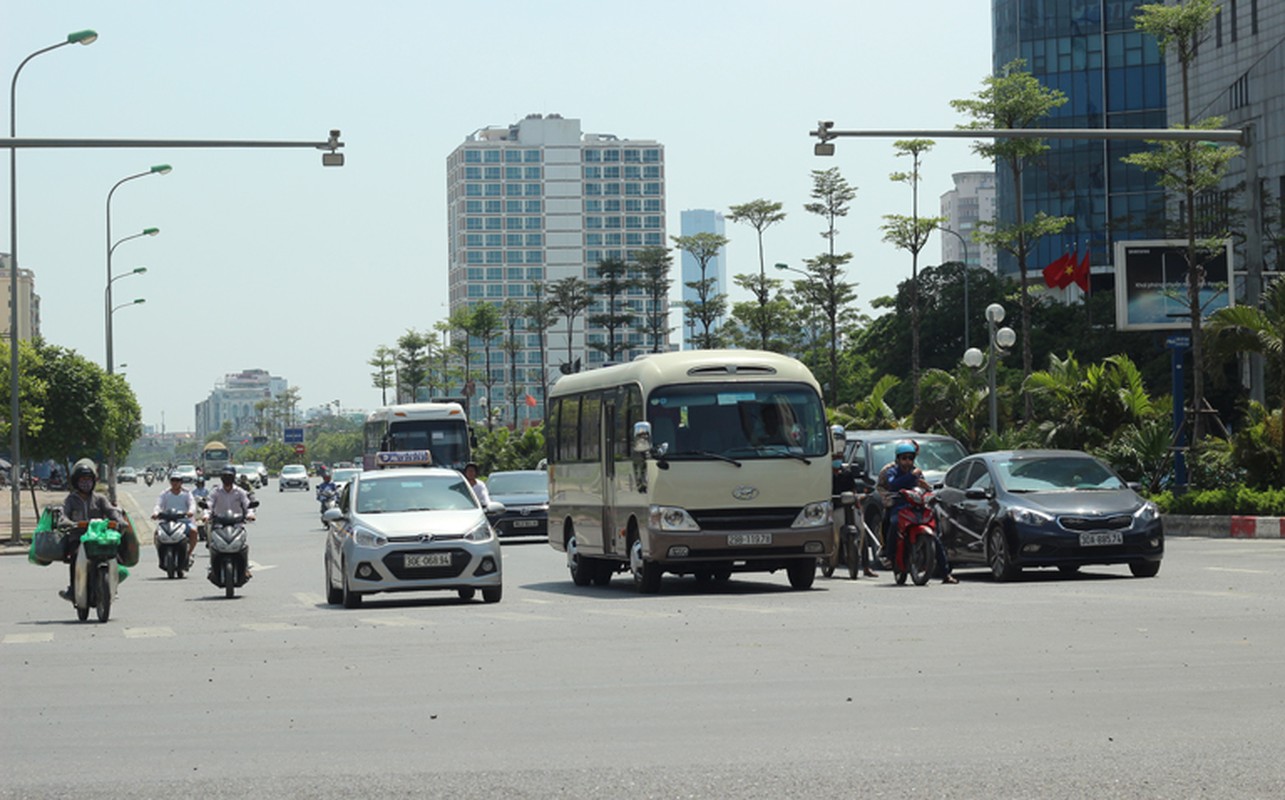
(963, 243)
(159, 169)
(15, 446)
(1000, 340)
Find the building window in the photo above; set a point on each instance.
(611, 173)
(535, 240)
(531, 174)
(651, 172)
(512, 156)
(592, 156)
(472, 156)
(593, 223)
(494, 257)
(512, 206)
(492, 223)
(473, 190)
(534, 274)
(531, 156)
(513, 240)
(473, 173)
(493, 240)
(651, 189)
(492, 206)
(512, 256)
(473, 257)
(513, 189)
(593, 206)
(633, 156)
(1238, 93)
(491, 156)
(473, 240)
(495, 290)
(593, 173)
(512, 173)
(535, 257)
(472, 223)
(533, 189)
(611, 156)
(492, 190)
(492, 173)
(534, 206)
(513, 224)
(534, 224)
(473, 206)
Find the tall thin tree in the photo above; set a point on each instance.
(710, 304)
(760, 215)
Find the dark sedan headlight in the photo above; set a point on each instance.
(1029, 516)
(1149, 512)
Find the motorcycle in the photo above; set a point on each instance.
(203, 520)
(229, 551)
(148, 478)
(171, 543)
(97, 572)
(329, 499)
(915, 552)
(848, 553)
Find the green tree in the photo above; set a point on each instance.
(73, 406)
(412, 365)
(1245, 329)
(1082, 407)
(954, 403)
(542, 313)
(832, 197)
(485, 324)
(511, 346)
(1188, 167)
(654, 264)
(710, 304)
(612, 287)
(123, 422)
(760, 215)
(1013, 98)
(763, 325)
(31, 392)
(872, 411)
(385, 375)
(570, 296)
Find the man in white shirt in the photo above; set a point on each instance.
(228, 498)
(176, 498)
(478, 487)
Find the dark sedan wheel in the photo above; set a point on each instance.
(999, 556)
(1145, 569)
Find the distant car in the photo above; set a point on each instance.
(293, 476)
(525, 495)
(342, 476)
(251, 474)
(263, 471)
(1045, 508)
(868, 451)
(411, 529)
(187, 472)
(127, 475)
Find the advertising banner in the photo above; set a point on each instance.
(1151, 284)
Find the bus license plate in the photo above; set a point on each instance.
(415, 560)
(1099, 538)
(741, 539)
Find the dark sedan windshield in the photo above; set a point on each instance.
(518, 483)
(1055, 474)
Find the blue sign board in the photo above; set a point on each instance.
(1178, 340)
(293, 436)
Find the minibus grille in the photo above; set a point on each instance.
(744, 519)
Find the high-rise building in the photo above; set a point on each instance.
(1114, 77)
(693, 221)
(1239, 74)
(971, 201)
(532, 203)
(28, 301)
(233, 400)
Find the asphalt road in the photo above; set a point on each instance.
(1095, 686)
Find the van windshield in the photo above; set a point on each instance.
(742, 421)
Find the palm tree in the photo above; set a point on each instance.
(1245, 329)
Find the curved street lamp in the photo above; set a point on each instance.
(963, 243)
(15, 446)
(1000, 340)
(159, 169)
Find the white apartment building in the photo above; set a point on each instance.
(532, 203)
(971, 201)
(233, 400)
(28, 301)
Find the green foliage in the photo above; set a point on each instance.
(1256, 446)
(274, 455)
(1211, 463)
(1228, 500)
(1082, 407)
(31, 391)
(501, 450)
(1141, 452)
(74, 399)
(124, 418)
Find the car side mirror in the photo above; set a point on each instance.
(977, 494)
(642, 437)
(332, 515)
(495, 508)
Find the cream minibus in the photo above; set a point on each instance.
(701, 463)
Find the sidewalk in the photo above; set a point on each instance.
(30, 516)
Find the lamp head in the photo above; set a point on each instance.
(995, 313)
(1005, 337)
(139, 270)
(138, 301)
(781, 266)
(82, 37)
(162, 169)
(151, 231)
(973, 357)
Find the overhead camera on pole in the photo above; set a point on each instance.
(823, 147)
(333, 158)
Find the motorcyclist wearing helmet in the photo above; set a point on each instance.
(228, 498)
(176, 498)
(327, 489)
(903, 474)
(83, 505)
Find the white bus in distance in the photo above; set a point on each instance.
(700, 463)
(440, 428)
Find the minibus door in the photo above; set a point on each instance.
(610, 409)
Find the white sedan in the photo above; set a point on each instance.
(410, 529)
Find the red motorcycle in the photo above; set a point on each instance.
(916, 549)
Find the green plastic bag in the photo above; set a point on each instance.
(46, 541)
(99, 540)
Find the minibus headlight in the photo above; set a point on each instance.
(672, 518)
(814, 515)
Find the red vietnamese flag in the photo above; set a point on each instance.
(1068, 270)
(530, 401)
(1054, 272)
(1081, 274)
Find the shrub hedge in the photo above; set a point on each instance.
(1230, 500)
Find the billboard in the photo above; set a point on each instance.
(1151, 284)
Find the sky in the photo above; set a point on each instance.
(268, 260)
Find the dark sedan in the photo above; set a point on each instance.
(525, 495)
(1045, 508)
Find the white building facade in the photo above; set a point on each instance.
(28, 301)
(691, 222)
(233, 400)
(970, 202)
(532, 203)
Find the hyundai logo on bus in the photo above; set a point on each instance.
(745, 493)
(403, 458)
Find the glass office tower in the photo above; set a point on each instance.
(1113, 77)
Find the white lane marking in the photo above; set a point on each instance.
(617, 612)
(272, 626)
(537, 600)
(309, 598)
(255, 565)
(1233, 569)
(148, 633)
(514, 616)
(396, 622)
(26, 638)
(748, 609)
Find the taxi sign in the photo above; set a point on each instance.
(403, 458)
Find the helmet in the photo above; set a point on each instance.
(84, 468)
(907, 447)
(228, 472)
(175, 475)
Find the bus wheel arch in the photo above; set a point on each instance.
(581, 567)
(646, 573)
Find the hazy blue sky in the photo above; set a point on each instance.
(266, 259)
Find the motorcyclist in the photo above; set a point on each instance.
(326, 489)
(83, 505)
(176, 498)
(200, 492)
(228, 498)
(903, 474)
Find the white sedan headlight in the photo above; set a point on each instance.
(814, 515)
(480, 532)
(672, 518)
(1029, 516)
(365, 537)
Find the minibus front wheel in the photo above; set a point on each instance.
(646, 573)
